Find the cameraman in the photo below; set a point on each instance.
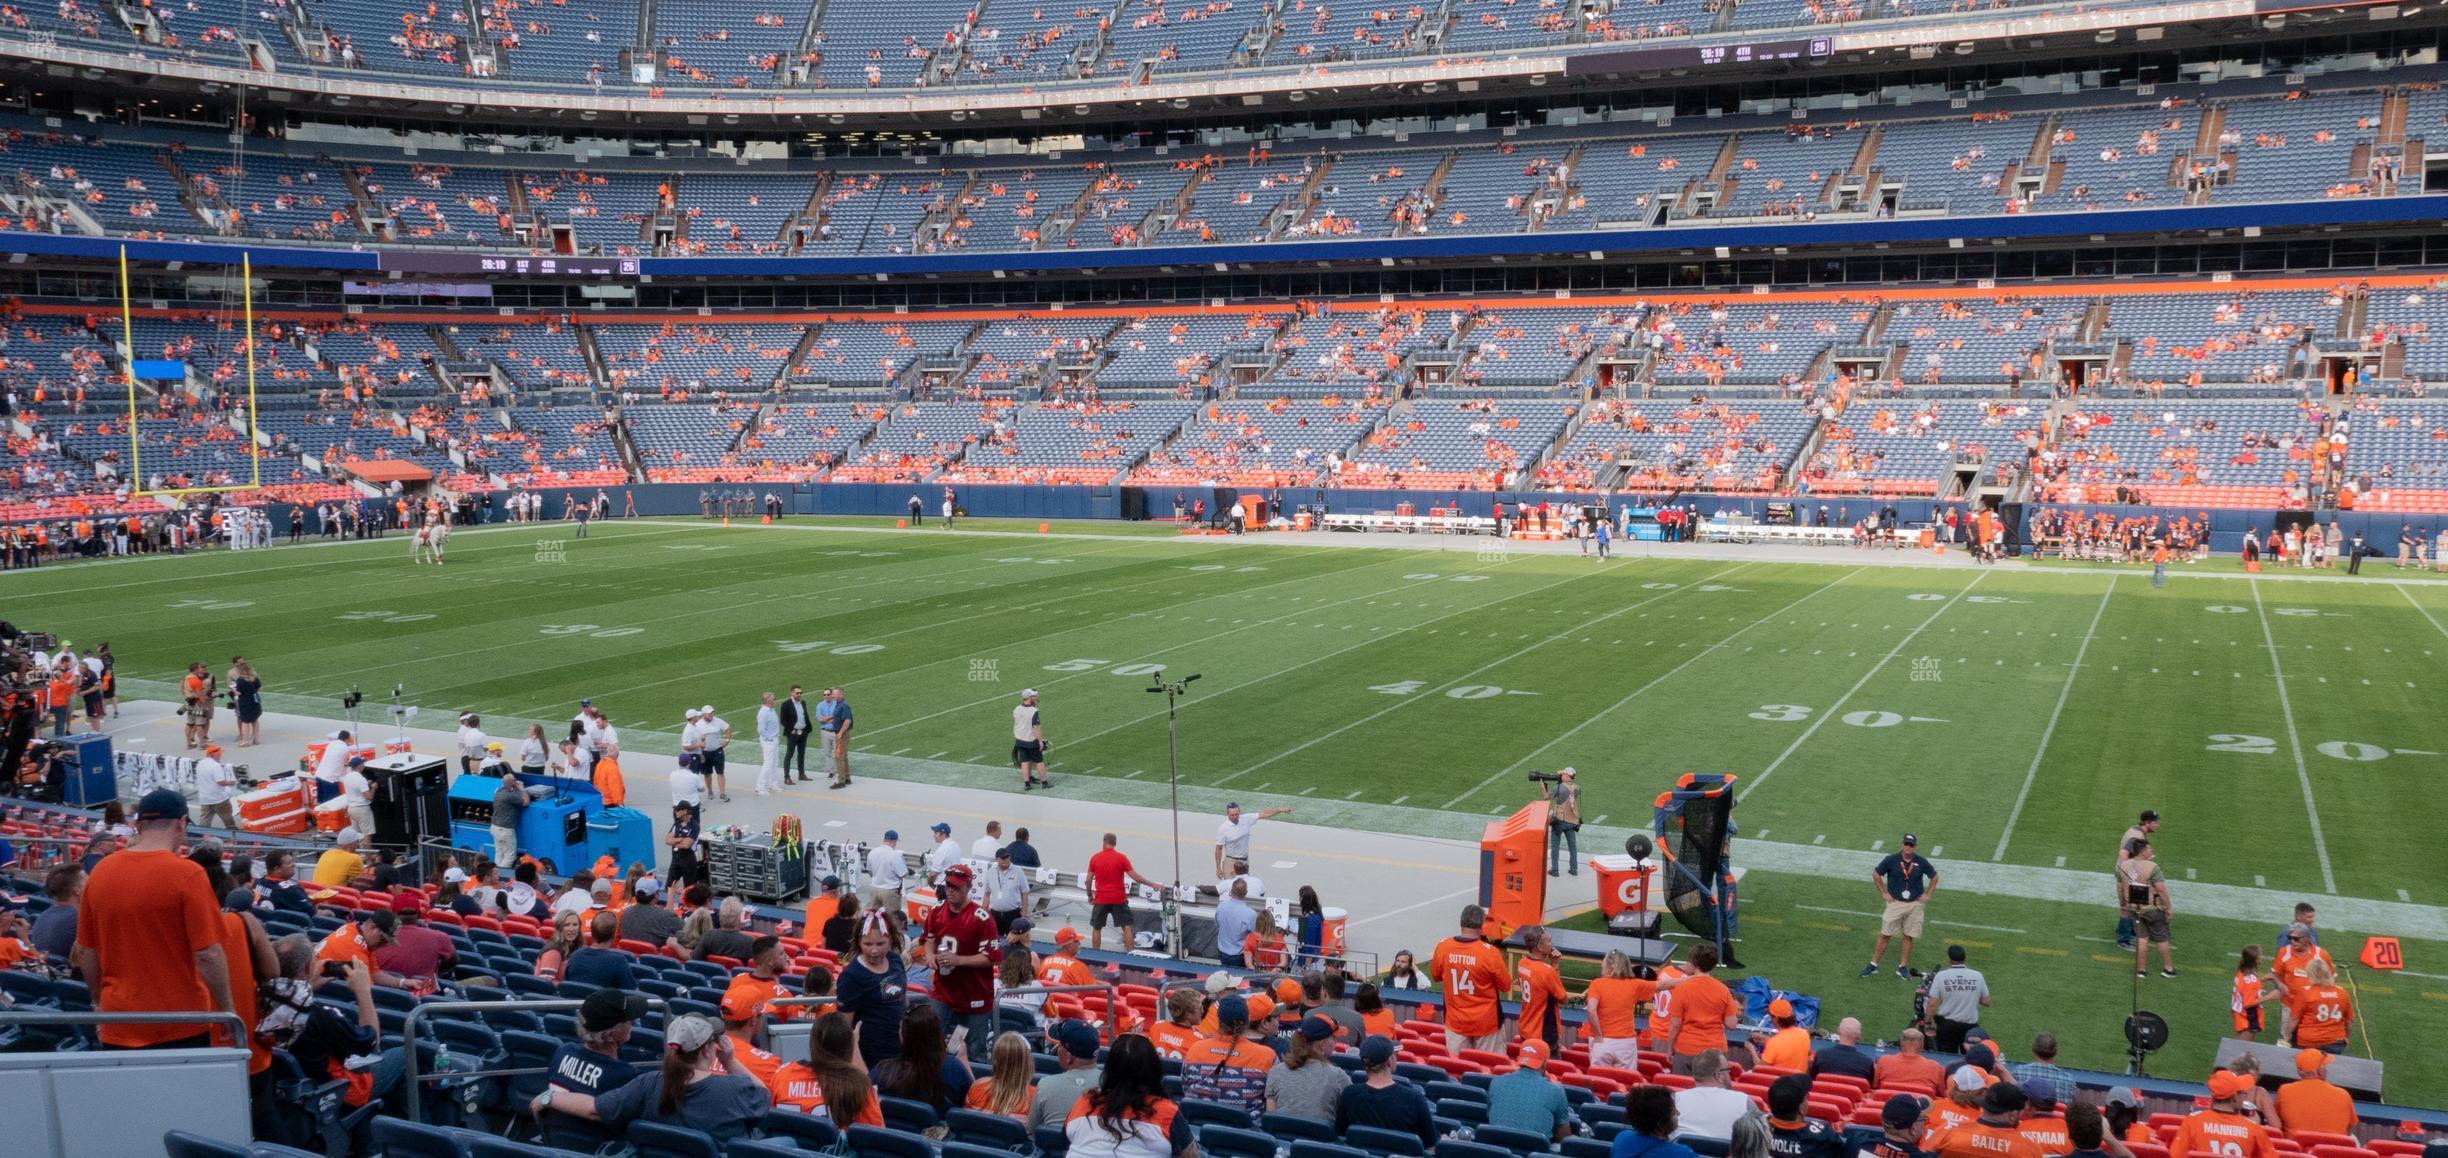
(1563, 793)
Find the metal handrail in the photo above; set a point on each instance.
(414, 1082)
(96, 1017)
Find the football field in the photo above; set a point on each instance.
(2016, 718)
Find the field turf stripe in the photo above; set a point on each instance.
(1661, 677)
(2303, 773)
(2040, 750)
(1457, 681)
(1821, 719)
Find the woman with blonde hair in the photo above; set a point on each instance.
(1009, 1088)
(1263, 948)
(246, 698)
(566, 939)
(1613, 1002)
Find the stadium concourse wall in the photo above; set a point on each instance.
(891, 501)
(2409, 210)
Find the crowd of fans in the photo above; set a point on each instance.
(903, 1030)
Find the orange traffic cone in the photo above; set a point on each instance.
(767, 520)
(900, 522)
(1042, 528)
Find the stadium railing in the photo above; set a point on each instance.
(76, 1102)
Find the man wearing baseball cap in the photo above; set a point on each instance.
(714, 738)
(420, 955)
(1789, 1047)
(1229, 1067)
(1524, 1099)
(148, 936)
(966, 949)
(1383, 1102)
(1900, 1128)
(1073, 1044)
(791, 1083)
(1905, 882)
(2223, 1129)
(340, 864)
(941, 855)
(592, 1065)
(1997, 1132)
(215, 785)
(2311, 1103)
(1029, 743)
(1791, 1132)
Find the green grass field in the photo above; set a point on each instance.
(2015, 719)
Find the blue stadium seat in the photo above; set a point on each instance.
(990, 1131)
(870, 1142)
(527, 1051)
(1379, 1141)
(401, 1138)
(276, 1150)
(810, 1131)
(1456, 1148)
(752, 1148)
(1052, 1142)
(181, 1144)
(529, 985)
(1291, 1129)
(488, 1146)
(1226, 1142)
(655, 1140)
(1466, 1112)
(950, 1149)
(1199, 1112)
(1595, 1112)
(1308, 1149)
(1518, 1141)
(1584, 1148)
(1440, 1091)
(906, 1115)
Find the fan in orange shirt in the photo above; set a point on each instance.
(1613, 1003)
(2221, 1129)
(1472, 974)
(1996, 1133)
(2320, 1010)
(2249, 993)
(2310, 1104)
(1540, 987)
(1790, 1046)
(1704, 1009)
(1179, 1029)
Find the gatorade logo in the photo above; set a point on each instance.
(1628, 890)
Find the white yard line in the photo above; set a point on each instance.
(1833, 709)
(2033, 773)
(2426, 612)
(1398, 705)
(2303, 774)
(1635, 693)
(764, 657)
(719, 607)
(996, 699)
(1374, 639)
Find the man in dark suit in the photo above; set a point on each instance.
(797, 721)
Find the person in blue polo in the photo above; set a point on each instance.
(1905, 882)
